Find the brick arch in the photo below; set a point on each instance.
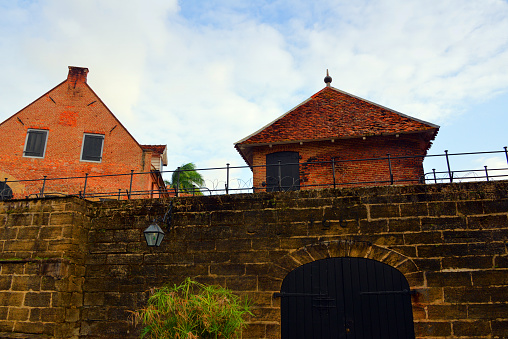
(344, 248)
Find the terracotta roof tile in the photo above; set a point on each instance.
(331, 113)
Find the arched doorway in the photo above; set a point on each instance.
(346, 298)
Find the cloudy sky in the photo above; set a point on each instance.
(199, 75)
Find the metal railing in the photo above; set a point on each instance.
(225, 182)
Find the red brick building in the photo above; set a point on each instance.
(316, 142)
(69, 132)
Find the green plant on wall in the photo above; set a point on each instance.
(193, 310)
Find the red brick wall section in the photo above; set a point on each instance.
(371, 173)
(67, 112)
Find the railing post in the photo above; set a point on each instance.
(119, 191)
(450, 174)
(279, 175)
(227, 178)
(177, 188)
(43, 186)
(506, 153)
(84, 188)
(333, 171)
(435, 179)
(130, 186)
(390, 168)
(486, 173)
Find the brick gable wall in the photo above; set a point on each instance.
(67, 112)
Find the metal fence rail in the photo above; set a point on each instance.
(225, 183)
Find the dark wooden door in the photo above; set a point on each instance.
(5, 191)
(349, 298)
(282, 171)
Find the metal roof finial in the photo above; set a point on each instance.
(328, 79)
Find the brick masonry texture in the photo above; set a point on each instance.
(317, 171)
(72, 268)
(67, 112)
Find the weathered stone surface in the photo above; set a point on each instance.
(449, 241)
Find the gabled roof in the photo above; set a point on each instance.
(159, 150)
(334, 114)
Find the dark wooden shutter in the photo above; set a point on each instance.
(35, 143)
(92, 147)
(289, 171)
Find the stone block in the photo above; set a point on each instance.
(441, 312)
(432, 237)
(384, 211)
(38, 299)
(261, 244)
(29, 327)
(433, 295)
(53, 314)
(452, 279)
(374, 226)
(499, 328)
(11, 298)
(18, 313)
(442, 208)
(501, 261)
(4, 310)
(18, 219)
(467, 208)
(443, 223)
(64, 218)
(5, 282)
(488, 311)
(487, 222)
(254, 331)
(471, 328)
(26, 283)
(472, 262)
(226, 218)
(119, 259)
(441, 250)
(414, 209)
(244, 283)
(404, 225)
(233, 244)
(457, 295)
(6, 325)
(433, 329)
(27, 233)
(227, 269)
(489, 248)
(490, 277)
(344, 213)
(495, 206)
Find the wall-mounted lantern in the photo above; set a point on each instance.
(153, 235)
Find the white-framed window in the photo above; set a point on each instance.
(91, 150)
(35, 143)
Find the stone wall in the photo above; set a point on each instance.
(43, 245)
(448, 240)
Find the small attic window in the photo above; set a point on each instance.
(35, 143)
(92, 147)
